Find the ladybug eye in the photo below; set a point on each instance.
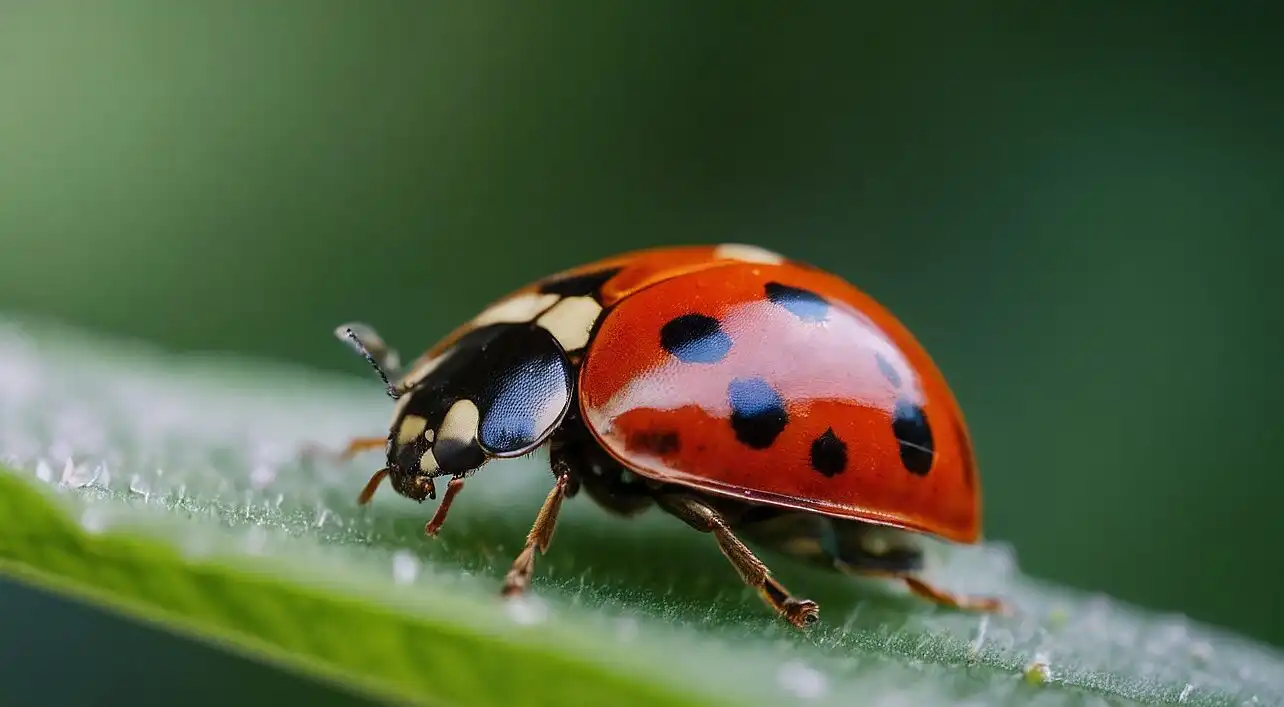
(372, 347)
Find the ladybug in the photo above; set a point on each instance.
(746, 394)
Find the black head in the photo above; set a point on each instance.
(498, 391)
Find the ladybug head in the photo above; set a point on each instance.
(497, 391)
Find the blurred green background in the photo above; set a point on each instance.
(1077, 209)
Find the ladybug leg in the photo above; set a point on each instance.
(538, 538)
(799, 612)
(439, 517)
(944, 598)
(313, 450)
(933, 593)
(564, 452)
(361, 444)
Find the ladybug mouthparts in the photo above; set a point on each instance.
(413, 485)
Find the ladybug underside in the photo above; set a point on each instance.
(525, 374)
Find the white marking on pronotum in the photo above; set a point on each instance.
(515, 310)
(428, 463)
(460, 423)
(571, 320)
(748, 254)
(411, 427)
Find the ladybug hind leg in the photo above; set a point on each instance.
(956, 601)
(698, 515)
(862, 549)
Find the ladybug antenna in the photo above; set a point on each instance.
(371, 346)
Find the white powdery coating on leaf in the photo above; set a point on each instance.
(62, 407)
(526, 610)
(256, 540)
(262, 476)
(802, 681)
(405, 567)
(94, 520)
(626, 629)
(78, 476)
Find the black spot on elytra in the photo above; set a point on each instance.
(583, 285)
(695, 338)
(885, 367)
(909, 424)
(757, 412)
(804, 304)
(829, 454)
(656, 441)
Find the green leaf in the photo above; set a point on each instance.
(174, 489)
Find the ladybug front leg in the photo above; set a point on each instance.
(433, 526)
(799, 612)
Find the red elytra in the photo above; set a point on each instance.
(829, 377)
(741, 392)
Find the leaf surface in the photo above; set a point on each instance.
(174, 489)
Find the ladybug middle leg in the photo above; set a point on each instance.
(754, 572)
